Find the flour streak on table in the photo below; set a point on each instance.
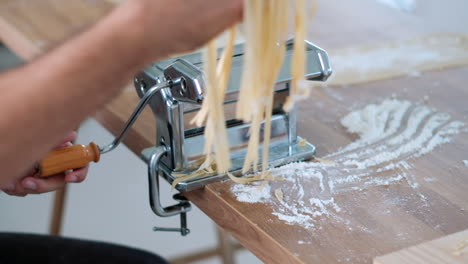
(392, 133)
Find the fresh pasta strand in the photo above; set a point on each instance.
(313, 8)
(266, 27)
(215, 130)
(222, 72)
(212, 111)
(299, 88)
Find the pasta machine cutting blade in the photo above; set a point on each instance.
(174, 89)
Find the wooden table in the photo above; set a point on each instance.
(30, 27)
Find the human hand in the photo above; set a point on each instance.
(31, 184)
(178, 26)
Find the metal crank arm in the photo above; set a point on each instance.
(145, 99)
(78, 156)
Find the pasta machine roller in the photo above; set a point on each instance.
(174, 89)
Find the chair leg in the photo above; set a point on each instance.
(57, 211)
(55, 227)
(226, 247)
(211, 252)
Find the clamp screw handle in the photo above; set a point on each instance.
(183, 226)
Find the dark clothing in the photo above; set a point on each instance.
(25, 248)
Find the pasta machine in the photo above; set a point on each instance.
(174, 89)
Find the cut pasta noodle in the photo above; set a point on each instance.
(216, 140)
(299, 88)
(222, 73)
(279, 195)
(266, 27)
(243, 180)
(266, 32)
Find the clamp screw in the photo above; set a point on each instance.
(183, 218)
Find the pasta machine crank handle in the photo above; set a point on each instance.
(78, 156)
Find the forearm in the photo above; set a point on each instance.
(44, 100)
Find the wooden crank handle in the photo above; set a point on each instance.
(69, 158)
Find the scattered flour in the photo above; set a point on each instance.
(361, 64)
(403, 5)
(391, 135)
(378, 60)
(430, 179)
(254, 193)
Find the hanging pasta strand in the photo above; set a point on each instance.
(266, 28)
(299, 87)
(249, 108)
(278, 20)
(313, 8)
(216, 146)
(216, 140)
(225, 63)
(251, 20)
(223, 70)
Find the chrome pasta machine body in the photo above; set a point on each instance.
(175, 89)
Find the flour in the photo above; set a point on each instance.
(391, 134)
(403, 5)
(411, 58)
(408, 57)
(254, 193)
(428, 179)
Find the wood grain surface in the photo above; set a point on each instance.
(31, 27)
(368, 230)
(440, 251)
(381, 219)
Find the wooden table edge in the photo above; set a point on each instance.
(249, 240)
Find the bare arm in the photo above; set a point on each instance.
(43, 101)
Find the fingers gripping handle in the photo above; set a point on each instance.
(69, 158)
(78, 156)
